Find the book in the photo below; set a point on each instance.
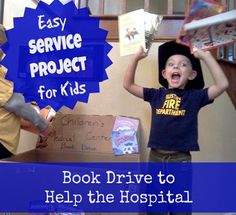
(199, 9)
(125, 136)
(212, 32)
(137, 28)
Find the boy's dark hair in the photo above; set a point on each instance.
(172, 48)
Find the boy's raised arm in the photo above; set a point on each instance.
(220, 80)
(128, 82)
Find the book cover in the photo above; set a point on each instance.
(124, 136)
(199, 9)
(212, 32)
(137, 28)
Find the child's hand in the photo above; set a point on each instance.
(43, 137)
(140, 54)
(42, 142)
(49, 131)
(200, 54)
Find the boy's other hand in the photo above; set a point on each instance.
(200, 54)
(140, 54)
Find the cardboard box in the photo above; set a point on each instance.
(27, 142)
(82, 133)
(29, 136)
(78, 138)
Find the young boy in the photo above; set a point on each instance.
(12, 109)
(175, 108)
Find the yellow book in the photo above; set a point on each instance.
(137, 28)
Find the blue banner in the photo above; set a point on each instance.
(117, 187)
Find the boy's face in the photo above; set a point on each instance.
(178, 71)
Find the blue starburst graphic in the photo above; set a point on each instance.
(56, 54)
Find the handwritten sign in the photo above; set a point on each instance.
(82, 133)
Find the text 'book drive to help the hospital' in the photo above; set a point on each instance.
(212, 32)
(137, 28)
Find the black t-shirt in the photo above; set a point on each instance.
(174, 124)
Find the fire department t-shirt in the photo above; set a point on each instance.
(174, 123)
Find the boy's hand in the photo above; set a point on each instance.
(220, 81)
(202, 55)
(140, 54)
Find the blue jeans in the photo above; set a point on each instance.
(178, 157)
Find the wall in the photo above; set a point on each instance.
(113, 7)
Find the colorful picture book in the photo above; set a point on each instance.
(125, 136)
(137, 28)
(199, 9)
(212, 32)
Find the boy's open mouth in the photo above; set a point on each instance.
(175, 76)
